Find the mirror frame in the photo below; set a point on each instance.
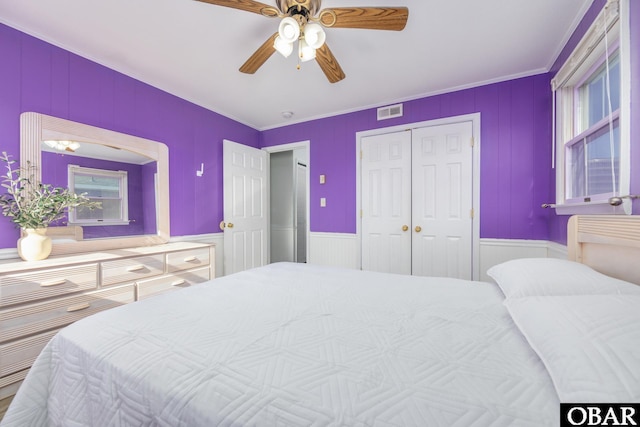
(36, 127)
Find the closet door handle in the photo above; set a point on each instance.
(230, 225)
(405, 227)
(418, 229)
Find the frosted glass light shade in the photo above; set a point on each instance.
(314, 35)
(283, 47)
(289, 30)
(306, 52)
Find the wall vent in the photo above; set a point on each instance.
(389, 112)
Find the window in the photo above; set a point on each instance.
(591, 138)
(104, 186)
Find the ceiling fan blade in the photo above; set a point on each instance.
(246, 5)
(260, 56)
(329, 64)
(373, 18)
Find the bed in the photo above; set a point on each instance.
(303, 345)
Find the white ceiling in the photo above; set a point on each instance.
(193, 50)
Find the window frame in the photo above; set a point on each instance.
(584, 61)
(122, 178)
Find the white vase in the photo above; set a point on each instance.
(35, 245)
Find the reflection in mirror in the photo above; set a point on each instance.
(123, 181)
(137, 202)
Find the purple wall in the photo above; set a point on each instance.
(36, 76)
(516, 177)
(515, 155)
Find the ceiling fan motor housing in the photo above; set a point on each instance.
(306, 7)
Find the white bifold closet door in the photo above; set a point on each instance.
(417, 199)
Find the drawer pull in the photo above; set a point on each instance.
(78, 307)
(135, 268)
(54, 282)
(178, 282)
(190, 258)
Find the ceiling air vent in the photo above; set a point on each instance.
(390, 112)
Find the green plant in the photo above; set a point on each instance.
(31, 204)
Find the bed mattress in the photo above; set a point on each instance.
(295, 345)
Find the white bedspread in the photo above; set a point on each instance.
(294, 345)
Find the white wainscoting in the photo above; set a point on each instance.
(341, 250)
(334, 249)
(496, 251)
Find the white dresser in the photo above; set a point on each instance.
(39, 298)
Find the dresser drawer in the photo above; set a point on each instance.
(19, 288)
(184, 279)
(34, 318)
(184, 260)
(131, 269)
(19, 355)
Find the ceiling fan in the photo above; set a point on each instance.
(302, 22)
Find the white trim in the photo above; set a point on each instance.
(334, 249)
(416, 97)
(497, 251)
(615, 18)
(277, 149)
(556, 250)
(590, 46)
(9, 253)
(515, 242)
(474, 118)
(625, 105)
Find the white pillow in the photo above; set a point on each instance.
(551, 276)
(590, 344)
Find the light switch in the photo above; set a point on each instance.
(323, 202)
(322, 179)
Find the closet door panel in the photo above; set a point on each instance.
(386, 203)
(442, 200)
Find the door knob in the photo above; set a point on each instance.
(405, 227)
(418, 229)
(222, 225)
(230, 225)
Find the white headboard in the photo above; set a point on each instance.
(609, 244)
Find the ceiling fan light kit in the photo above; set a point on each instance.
(299, 22)
(289, 30)
(283, 47)
(314, 35)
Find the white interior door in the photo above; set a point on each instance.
(442, 201)
(245, 207)
(386, 202)
(417, 199)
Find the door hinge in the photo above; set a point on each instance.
(473, 142)
(471, 214)
(360, 154)
(361, 214)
